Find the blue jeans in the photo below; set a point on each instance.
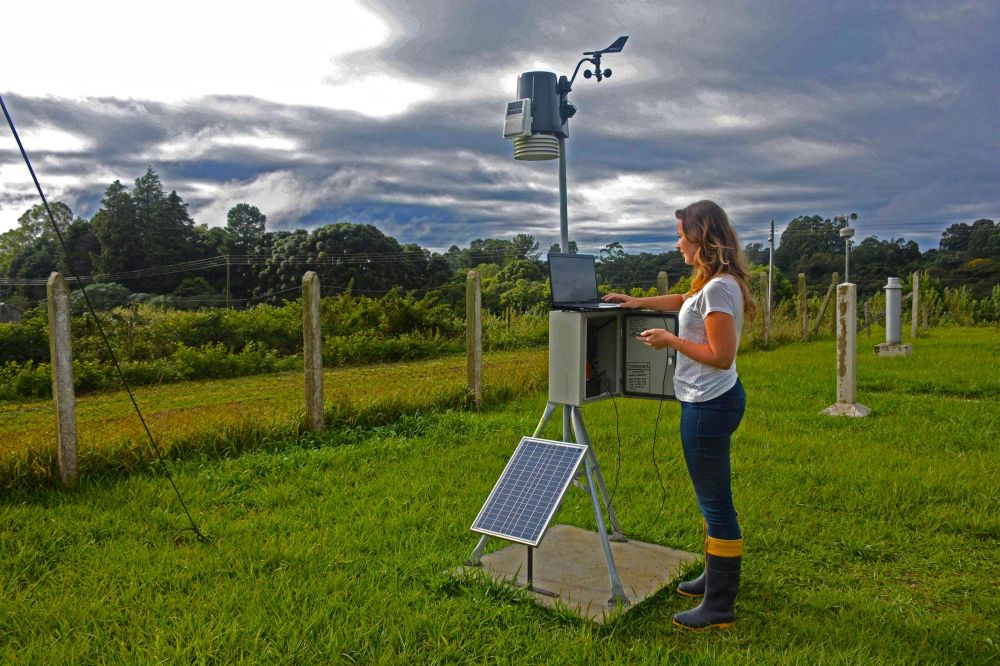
(706, 428)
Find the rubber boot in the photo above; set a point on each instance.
(722, 582)
(696, 587)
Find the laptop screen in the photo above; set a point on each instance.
(573, 277)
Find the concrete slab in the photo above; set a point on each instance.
(570, 562)
(888, 350)
(855, 409)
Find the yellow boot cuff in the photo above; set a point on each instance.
(724, 547)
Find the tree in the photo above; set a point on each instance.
(554, 248)
(245, 227)
(82, 245)
(811, 245)
(166, 228)
(757, 254)
(244, 233)
(955, 238)
(32, 227)
(523, 246)
(874, 260)
(117, 230)
(612, 251)
(344, 254)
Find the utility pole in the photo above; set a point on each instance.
(227, 281)
(770, 283)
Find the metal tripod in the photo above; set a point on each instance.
(573, 424)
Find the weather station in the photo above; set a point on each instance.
(594, 355)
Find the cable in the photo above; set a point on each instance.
(656, 426)
(202, 537)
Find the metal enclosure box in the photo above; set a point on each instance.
(647, 372)
(594, 355)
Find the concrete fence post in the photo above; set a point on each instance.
(312, 338)
(61, 352)
(803, 307)
(925, 321)
(474, 337)
(822, 308)
(847, 354)
(915, 312)
(662, 283)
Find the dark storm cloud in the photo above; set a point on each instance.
(774, 109)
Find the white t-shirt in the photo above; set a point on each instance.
(694, 381)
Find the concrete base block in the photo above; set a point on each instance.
(886, 349)
(847, 409)
(570, 562)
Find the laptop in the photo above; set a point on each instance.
(574, 283)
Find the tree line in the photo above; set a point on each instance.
(142, 228)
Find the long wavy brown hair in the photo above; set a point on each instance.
(705, 224)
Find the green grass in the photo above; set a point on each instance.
(867, 540)
(233, 415)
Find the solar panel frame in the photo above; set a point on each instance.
(529, 491)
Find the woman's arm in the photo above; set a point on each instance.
(718, 352)
(665, 302)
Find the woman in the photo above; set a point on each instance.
(710, 392)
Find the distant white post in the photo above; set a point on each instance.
(915, 317)
(312, 337)
(803, 307)
(61, 353)
(662, 283)
(893, 345)
(847, 354)
(474, 337)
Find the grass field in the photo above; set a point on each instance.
(867, 541)
(228, 416)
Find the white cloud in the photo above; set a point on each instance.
(377, 95)
(38, 139)
(202, 143)
(282, 52)
(790, 152)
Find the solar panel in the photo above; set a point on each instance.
(528, 492)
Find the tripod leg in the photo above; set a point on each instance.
(617, 593)
(475, 559)
(582, 437)
(546, 417)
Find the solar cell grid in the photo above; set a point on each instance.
(528, 492)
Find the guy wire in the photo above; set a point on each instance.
(201, 536)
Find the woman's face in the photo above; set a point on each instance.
(686, 247)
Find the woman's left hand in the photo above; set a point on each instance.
(658, 338)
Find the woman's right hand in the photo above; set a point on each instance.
(626, 301)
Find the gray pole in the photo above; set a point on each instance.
(563, 208)
(312, 351)
(847, 259)
(474, 337)
(893, 312)
(770, 282)
(62, 377)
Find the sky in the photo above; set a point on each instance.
(390, 112)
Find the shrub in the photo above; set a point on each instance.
(25, 340)
(102, 295)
